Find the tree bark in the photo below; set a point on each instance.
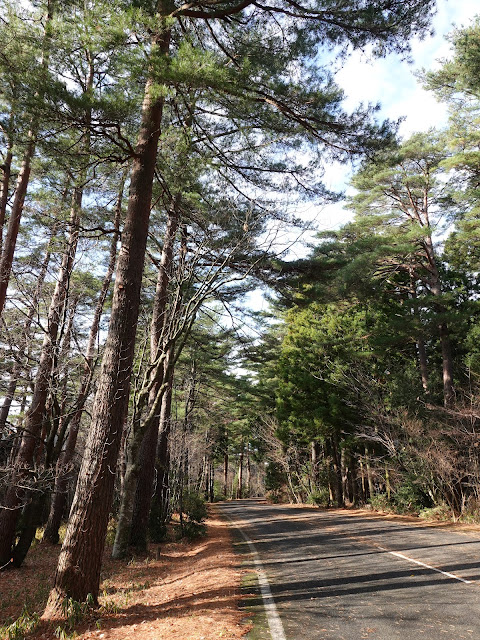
(7, 170)
(141, 447)
(337, 465)
(64, 471)
(447, 360)
(371, 489)
(32, 429)
(240, 475)
(78, 570)
(8, 252)
(225, 475)
(161, 498)
(17, 369)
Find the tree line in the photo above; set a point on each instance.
(371, 353)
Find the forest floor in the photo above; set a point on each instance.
(190, 592)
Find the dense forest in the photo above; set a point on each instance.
(152, 154)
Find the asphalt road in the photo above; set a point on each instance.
(339, 576)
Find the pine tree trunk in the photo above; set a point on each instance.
(344, 471)
(371, 488)
(423, 363)
(78, 571)
(363, 486)
(240, 475)
(447, 360)
(211, 483)
(32, 429)
(337, 466)
(162, 493)
(8, 252)
(225, 475)
(142, 457)
(64, 471)
(7, 171)
(353, 479)
(17, 369)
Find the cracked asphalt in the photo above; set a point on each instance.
(334, 575)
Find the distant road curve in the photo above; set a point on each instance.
(337, 575)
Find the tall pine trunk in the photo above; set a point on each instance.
(141, 457)
(78, 570)
(64, 472)
(7, 172)
(159, 503)
(447, 359)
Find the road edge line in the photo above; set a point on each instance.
(274, 622)
(427, 566)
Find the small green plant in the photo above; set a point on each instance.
(320, 497)
(63, 634)
(111, 530)
(17, 630)
(440, 512)
(195, 510)
(380, 502)
(73, 612)
(194, 507)
(109, 607)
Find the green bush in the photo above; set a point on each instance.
(409, 497)
(319, 497)
(194, 507)
(440, 512)
(380, 502)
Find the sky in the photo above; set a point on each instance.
(391, 82)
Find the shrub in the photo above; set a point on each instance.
(319, 497)
(195, 510)
(24, 624)
(194, 507)
(380, 502)
(409, 497)
(440, 512)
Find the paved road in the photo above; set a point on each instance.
(339, 576)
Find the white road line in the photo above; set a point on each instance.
(274, 622)
(427, 566)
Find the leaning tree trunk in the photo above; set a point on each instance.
(158, 508)
(78, 570)
(7, 254)
(32, 428)
(147, 459)
(140, 450)
(7, 172)
(64, 471)
(17, 369)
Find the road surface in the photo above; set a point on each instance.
(335, 575)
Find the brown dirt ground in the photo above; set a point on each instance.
(191, 592)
